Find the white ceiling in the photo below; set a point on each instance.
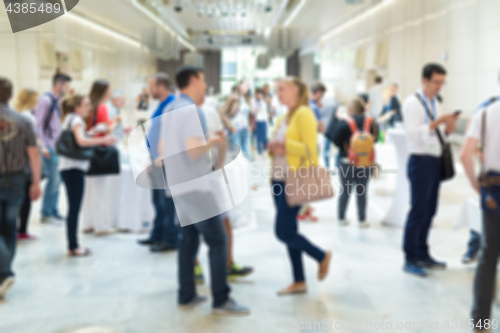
(320, 16)
(240, 14)
(120, 15)
(314, 19)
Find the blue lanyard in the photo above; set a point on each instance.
(433, 106)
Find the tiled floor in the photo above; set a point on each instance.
(124, 288)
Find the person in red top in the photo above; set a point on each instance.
(98, 122)
(99, 125)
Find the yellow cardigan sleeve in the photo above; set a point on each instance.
(306, 125)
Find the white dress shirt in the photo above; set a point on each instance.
(376, 100)
(421, 139)
(260, 107)
(492, 138)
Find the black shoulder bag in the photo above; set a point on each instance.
(447, 165)
(67, 146)
(106, 160)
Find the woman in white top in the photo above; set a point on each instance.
(25, 103)
(241, 120)
(260, 110)
(74, 110)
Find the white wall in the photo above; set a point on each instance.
(421, 31)
(105, 56)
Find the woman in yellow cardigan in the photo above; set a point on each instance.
(294, 141)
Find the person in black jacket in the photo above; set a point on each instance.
(393, 106)
(352, 178)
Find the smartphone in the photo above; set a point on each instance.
(457, 113)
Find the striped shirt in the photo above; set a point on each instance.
(16, 134)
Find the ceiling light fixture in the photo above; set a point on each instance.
(103, 29)
(178, 7)
(370, 11)
(294, 13)
(162, 24)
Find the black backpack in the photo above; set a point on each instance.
(46, 121)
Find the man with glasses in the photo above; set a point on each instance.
(424, 169)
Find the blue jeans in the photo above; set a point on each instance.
(474, 244)
(165, 230)
(240, 138)
(326, 152)
(287, 232)
(12, 188)
(75, 185)
(424, 173)
(261, 131)
(214, 235)
(51, 193)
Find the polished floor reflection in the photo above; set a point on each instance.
(125, 288)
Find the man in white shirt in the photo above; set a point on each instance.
(375, 97)
(424, 168)
(485, 123)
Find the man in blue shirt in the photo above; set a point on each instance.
(165, 233)
(185, 135)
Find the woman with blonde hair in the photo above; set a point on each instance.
(294, 145)
(25, 104)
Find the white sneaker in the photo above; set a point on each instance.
(231, 308)
(344, 222)
(6, 284)
(364, 224)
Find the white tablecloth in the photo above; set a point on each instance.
(399, 209)
(116, 202)
(469, 216)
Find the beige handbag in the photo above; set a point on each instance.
(308, 184)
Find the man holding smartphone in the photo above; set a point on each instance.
(424, 168)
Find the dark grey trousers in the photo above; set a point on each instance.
(484, 284)
(353, 181)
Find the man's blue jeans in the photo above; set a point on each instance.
(214, 235)
(51, 193)
(12, 189)
(424, 173)
(165, 230)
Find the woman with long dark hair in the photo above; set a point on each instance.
(99, 124)
(294, 146)
(98, 120)
(75, 109)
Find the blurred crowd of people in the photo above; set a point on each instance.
(304, 131)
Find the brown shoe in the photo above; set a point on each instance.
(80, 252)
(293, 289)
(324, 265)
(104, 233)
